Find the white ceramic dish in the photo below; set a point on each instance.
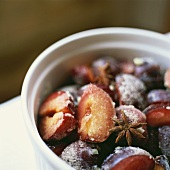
(51, 67)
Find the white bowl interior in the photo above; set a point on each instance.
(52, 67)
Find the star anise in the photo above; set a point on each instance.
(128, 129)
(105, 74)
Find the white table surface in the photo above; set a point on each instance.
(16, 152)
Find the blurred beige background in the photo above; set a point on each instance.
(27, 27)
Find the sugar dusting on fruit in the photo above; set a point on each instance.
(121, 154)
(98, 104)
(134, 150)
(164, 142)
(131, 90)
(115, 116)
(81, 155)
(134, 114)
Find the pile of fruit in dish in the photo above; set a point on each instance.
(116, 115)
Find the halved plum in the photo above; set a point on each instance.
(59, 101)
(96, 111)
(129, 158)
(158, 114)
(56, 127)
(57, 116)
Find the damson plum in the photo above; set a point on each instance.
(74, 91)
(115, 117)
(164, 140)
(127, 67)
(149, 72)
(152, 145)
(158, 114)
(81, 155)
(82, 74)
(58, 146)
(113, 64)
(57, 116)
(134, 115)
(144, 64)
(111, 90)
(162, 163)
(131, 91)
(129, 158)
(59, 101)
(57, 126)
(131, 124)
(95, 114)
(158, 96)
